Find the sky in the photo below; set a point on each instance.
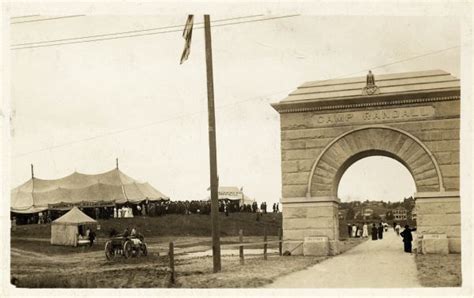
(77, 107)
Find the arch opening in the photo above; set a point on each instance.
(375, 177)
(368, 167)
(351, 146)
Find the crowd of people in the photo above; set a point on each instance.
(148, 208)
(362, 231)
(377, 231)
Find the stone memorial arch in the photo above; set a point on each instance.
(328, 125)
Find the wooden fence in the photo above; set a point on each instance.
(240, 245)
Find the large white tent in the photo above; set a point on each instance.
(65, 230)
(105, 189)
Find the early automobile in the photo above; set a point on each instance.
(129, 246)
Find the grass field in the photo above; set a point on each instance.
(439, 270)
(37, 264)
(60, 267)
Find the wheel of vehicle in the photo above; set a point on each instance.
(144, 249)
(127, 249)
(109, 251)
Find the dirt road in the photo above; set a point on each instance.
(372, 264)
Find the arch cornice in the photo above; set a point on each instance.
(367, 127)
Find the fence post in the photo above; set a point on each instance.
(171, 255)
(280, 244)
(265, 243)
(241, 248)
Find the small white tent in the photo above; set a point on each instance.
(65, 230)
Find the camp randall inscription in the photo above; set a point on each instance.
(374, 116)
(326, 126)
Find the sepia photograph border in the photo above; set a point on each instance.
(462, 10)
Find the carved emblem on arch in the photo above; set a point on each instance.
(366, 141)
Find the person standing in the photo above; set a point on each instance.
(354, 231)
(349, 229)
(365, 231)
(91, 237)
(407, 238)
(374, 232)
(226, 210)
(380, 231)
(397, 229)
(139, 209)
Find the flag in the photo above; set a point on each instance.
(187, 34)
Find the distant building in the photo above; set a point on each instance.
(399, 213)
(413, 214)
(367, 212)
(233, 193)
(343, 214)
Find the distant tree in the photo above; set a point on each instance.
(375, 216)
(408, 203)
(350, 214)
(389, 215)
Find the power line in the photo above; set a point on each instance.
(187, 115)
(147, 34)
(27, 16)
(234, 103)
(419, 56)
(48, 19)
(394, 62)
(126, 32)
(219, 107)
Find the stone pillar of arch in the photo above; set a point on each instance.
(326, 126)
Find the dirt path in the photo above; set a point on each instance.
(372, 264)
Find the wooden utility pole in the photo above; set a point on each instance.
(171, 256)
(241, 248)
(216, 245)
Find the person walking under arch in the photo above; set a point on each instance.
(407, 238)
(380, 231)
(354, 230)
(365, 231)
(374, 232)
(397, 229)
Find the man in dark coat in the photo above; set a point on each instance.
(91, 237)
(407, 238)
(380, 230)
(374, 232)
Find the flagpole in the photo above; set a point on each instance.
(216, 245)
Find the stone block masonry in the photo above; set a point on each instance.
(326, 126)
